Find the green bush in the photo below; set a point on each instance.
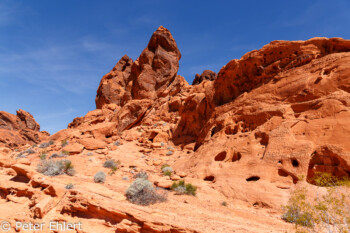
(181, 188)
(64, 142)
(167, 171)
(328, 212)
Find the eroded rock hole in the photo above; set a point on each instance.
(284, 173)
(236, 156)
(253, 178)
(325, 160)
(221, 156)
(295, 163)
(209, 178)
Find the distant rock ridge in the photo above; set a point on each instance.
(206, 75)
(17, 130)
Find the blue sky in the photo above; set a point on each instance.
(53, 53)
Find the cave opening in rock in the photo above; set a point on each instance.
(221, 156)
(236, 156)
(253, 178)
(295, 162)
(209, 178)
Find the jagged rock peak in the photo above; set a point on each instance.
(156, 67)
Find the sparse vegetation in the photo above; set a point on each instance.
(181, 188)
(141, 192)
(100, 177)
(43, 155)
(327, 212)
(113, 165)
(24, 154)
(64, 152)
(56, 167)
(165, 165)
(117, 143)
(90, 154)
(224, 203)
(169, 153)
(110, 164)
(46, 144)
(29, 151)
(69, 186)
(64, 142)
(55, 155)
(167, 170)
(142, 175)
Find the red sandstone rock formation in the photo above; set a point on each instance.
(245, 137)
(157, 66)
(206, 75)
(17, 130)
(115, 86)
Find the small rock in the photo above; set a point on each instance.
(181, 174)
(157, 162)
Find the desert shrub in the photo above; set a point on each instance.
(224, 203)
(29, 151)
(142, 175)
(90, 154)
(24, 154)
(46, 144)
(110, 164)
(165, 165)
(43, 156)
(169, 153)
(56, 167)
(55, 155)
(167, 171)
(117, 143)
(141, 192)
(328, 212)
(181, 188)
(69, 186)
(100, 177)
(64, 152)
(21, 155)
(64, 142)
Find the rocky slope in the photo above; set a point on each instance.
(18, 130)
(244, 137)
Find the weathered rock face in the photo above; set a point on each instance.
(275, 114)
(206, 75)
(156, 67)
(247, 136)
(115, 86)
(265, 129)
(17, 130)
(131, 91)
(259, 66)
